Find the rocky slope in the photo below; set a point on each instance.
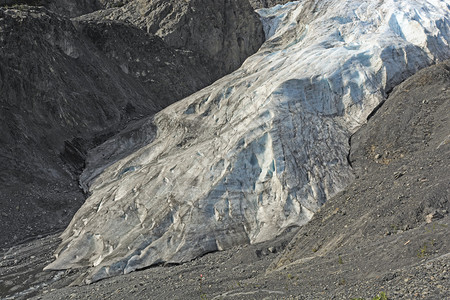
(386, 232)
(260, 150)
(78, 8)
(68, 85)
(256, 4)
(226, 32)
(68, 8)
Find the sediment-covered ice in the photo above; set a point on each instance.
(261, 149)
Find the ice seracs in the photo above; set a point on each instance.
(277, 16)
(261, 149)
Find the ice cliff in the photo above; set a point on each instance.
(261, 149)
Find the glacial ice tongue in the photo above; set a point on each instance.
(261, 149)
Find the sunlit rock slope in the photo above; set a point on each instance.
(261, 149)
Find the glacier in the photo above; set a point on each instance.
(260, 150)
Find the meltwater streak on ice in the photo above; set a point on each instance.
(261, 149)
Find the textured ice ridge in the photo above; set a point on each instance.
(261, 149)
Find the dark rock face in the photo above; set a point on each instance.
(67, 7)
(225, 32)
(73, 8)
(64, 7)
(266, 3)
(66, 87)
(81, 7)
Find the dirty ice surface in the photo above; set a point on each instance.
(261, 149)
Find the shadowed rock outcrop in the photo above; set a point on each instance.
(267, 3)
(226, 32)
(67, 7)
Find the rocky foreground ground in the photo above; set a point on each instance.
(386, 232)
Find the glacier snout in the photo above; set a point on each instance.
(261, 149)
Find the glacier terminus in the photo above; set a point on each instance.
(261, 149)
